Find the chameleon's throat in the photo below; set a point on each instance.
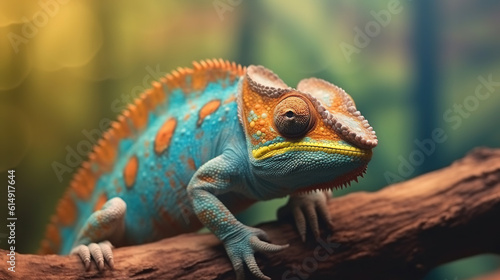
(338, 183)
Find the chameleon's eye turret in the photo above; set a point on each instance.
(292, 117)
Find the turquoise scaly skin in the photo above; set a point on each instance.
(203, 144)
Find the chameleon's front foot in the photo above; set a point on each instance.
(240, 241)
(242, 246)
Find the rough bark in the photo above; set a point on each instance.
(399, 232)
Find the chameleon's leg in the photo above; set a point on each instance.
(103, 226)
(240, 241)
(307, 208)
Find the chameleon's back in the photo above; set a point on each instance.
(149, 155)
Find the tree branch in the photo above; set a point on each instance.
(399, 232)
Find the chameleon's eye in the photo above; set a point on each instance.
(292, 117)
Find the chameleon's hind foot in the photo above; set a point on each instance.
(101, 253)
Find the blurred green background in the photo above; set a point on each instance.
(411, 66)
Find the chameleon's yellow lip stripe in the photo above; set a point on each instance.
(279, 148)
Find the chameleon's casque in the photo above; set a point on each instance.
(202, 144)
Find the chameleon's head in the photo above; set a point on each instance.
(312, 137)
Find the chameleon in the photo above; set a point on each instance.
(206, 142)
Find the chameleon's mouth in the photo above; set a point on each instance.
(338, 183)
(280, 148)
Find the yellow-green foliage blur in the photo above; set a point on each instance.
(68, 67)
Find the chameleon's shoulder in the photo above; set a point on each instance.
(129, 125)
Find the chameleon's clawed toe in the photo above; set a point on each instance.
(84, 253)
(242, 247)
(254, 268)
(262, 246)
(311, 208)
(238, 268)
(106, 248)
(300, 223)
(101, 253)
(96, 253)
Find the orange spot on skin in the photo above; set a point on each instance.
(130, 171)
(164, 135)
(66, 211)
(230, 99)
(208, 109)
(206, 216)
(208, 179)
(172, 183)
(191, 164)
(186, 117)
(100, 201)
